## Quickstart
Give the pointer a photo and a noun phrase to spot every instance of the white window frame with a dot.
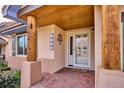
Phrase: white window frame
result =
(23, 55)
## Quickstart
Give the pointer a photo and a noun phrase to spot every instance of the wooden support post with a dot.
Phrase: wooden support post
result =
(110, 37)
(32, 38)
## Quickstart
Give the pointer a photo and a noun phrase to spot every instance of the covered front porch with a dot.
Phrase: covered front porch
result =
(68, 25)
(76, 17)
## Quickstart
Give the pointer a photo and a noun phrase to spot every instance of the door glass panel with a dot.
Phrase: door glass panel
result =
(81, 46)
(71, 45)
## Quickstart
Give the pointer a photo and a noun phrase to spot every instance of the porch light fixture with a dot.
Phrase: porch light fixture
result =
(31, 26)
(92, 30)
(59, 39)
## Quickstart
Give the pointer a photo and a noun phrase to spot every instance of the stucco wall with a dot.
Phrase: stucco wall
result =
(98, 36)
(15, 62)
(8, 49)
(47, 65)
(59, 50)
(30, 74)
(51, 61)
(92, 45)
(98, 39)
(44, 43)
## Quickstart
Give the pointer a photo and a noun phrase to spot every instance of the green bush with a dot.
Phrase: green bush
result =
(3, 64)
(9, 78)
(10, 81)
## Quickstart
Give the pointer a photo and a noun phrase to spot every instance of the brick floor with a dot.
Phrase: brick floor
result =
(67, 78)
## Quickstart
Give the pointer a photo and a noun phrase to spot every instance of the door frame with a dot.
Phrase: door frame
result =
(89, 50)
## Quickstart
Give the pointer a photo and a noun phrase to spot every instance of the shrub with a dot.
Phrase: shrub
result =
(9, 78)
(3, 64)
(6, 69)
(10, 81)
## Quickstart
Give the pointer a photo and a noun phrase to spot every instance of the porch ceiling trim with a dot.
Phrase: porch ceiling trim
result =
(28, 9)
(10, 12)
(18, 29)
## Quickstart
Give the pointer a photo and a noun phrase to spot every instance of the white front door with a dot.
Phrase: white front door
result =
(79, 49)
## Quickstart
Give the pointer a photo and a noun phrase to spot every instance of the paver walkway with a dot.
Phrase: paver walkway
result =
(67, 78)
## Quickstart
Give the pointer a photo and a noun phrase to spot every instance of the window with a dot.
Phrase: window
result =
(19, 44)
(22, 45)
(14, 45)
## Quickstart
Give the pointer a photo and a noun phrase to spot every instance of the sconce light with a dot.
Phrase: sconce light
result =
(30, 26)
(59, 39)
(92, 30)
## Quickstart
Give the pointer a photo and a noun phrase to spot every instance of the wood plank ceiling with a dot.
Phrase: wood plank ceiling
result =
(65, 16)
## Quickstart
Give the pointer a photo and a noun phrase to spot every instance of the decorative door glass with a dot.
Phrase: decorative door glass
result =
(81, 46)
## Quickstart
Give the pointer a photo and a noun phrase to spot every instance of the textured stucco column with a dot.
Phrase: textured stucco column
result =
(30, 73)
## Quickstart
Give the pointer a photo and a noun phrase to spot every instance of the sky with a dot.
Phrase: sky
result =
(2, 19)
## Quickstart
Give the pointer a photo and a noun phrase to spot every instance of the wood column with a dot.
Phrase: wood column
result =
(32, 38)
(110, 37)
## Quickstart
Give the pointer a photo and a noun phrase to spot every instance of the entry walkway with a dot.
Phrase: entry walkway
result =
(67, 78)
